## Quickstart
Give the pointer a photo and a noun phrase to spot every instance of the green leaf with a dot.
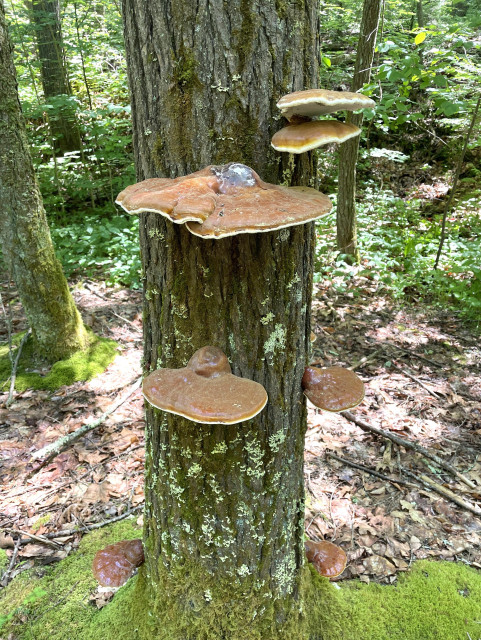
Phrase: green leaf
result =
(326, 61)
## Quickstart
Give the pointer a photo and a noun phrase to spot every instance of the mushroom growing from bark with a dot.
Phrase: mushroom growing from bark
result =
(221, 201)
(328, 559)
(333, 388)
(205, 390)
(113, 565)
(316, 102)
(299, 138)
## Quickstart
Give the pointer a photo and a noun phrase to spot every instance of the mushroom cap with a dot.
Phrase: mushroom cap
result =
(298, 138)
(221, 201)
(315, 102)
(333, 388)
(205, 390)
(328, 559)
(115, 564)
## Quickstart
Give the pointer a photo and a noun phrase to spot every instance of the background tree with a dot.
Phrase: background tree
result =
(55, 82)
(26, 244)
(224, 504)
(346, 205)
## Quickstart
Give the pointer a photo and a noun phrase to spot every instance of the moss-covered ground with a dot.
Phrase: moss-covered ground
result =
(433, 601)
(35, 374)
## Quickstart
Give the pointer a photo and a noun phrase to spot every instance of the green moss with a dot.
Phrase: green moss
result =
(3, 560)
(83, 365)
(433, 601)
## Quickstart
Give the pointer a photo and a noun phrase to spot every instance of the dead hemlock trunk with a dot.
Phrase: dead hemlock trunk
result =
(224, 504)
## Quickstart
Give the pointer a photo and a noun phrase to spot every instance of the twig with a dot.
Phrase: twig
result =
(55, 448)
(377, 474)
(92, 527)
(39, 539)
(6, 576)
(419, 382)
(365, 359)
(386, 343)
(446, 493)
(15, 366)
(408, 444)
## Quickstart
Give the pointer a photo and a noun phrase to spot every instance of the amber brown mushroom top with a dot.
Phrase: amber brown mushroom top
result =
(205, 390)
(299, 138)
(333, 388)
(315, 102)
(328, 559)
(221, 201)
(113, 565)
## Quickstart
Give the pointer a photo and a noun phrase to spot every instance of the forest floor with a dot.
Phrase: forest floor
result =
(422, 371)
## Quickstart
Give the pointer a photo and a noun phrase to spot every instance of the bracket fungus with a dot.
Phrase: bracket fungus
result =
(333, 388)
(316, 102)
(205, 390)
(328, 559)
(298, 138)
(113, 565)
(227, 200)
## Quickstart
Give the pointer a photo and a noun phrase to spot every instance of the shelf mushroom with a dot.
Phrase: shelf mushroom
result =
(328, 559)
(113, 565)
(205, 390)
(227, 200)
(303, 134)
(333, 388)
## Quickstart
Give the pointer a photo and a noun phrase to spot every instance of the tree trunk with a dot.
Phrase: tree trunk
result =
(224, 504)
(26, 244)
(346, 207)
(56, 87)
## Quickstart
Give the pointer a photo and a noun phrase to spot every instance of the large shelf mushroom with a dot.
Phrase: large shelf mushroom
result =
(116, 563)
(227, 200)
(205, 390)
(327, 558)
(303, 134)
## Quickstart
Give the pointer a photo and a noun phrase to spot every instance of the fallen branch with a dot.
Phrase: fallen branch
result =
(134, 327)
(408, 444)
(419, 382)
(6, 576)
(55, 448)
(32, 536)
(446, 493)
(373, 472)
(387, 343)
(13, 375)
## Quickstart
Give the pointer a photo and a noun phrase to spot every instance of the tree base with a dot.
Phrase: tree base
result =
(36, 373)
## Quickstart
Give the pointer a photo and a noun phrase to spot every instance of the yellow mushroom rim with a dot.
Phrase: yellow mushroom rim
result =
(333, 388)
(221, 201)
(315, 102)
(327, 558)
(205, 390)
(299, 138)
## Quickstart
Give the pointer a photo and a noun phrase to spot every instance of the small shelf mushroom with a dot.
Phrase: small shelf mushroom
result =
(205, 390)
(227, 200)
(304, 134)
(333, 388)
(316, 102)
(113, 565)
(327, 558)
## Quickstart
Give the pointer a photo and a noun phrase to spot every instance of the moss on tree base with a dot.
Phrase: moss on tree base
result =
(34, 373)
(433, 600)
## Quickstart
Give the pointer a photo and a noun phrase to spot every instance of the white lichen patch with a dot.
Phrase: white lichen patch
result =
(255, 458)
(284, 574)
(194, 470)
(220, 447)
(295, 280)
(243, 570)
(155, 233)
(276, 439)
(276, 341)
(267, 318)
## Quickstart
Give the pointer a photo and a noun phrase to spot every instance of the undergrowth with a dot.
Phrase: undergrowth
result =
(398, 246)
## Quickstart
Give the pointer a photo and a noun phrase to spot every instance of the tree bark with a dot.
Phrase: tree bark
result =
(26, 244)
(346, 206)
(224, 504)
(56, 87)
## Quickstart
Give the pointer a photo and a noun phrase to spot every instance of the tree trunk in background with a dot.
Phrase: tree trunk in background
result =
(224, 504)
(26, 244)
(346, 206)
(56, 87)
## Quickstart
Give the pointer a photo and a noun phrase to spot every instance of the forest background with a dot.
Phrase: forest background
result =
(425, 82)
